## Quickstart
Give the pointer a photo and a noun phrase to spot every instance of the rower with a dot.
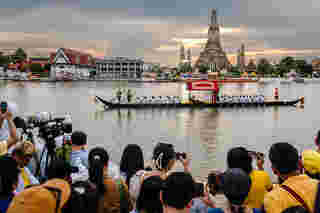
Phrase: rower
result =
(119, 95)
(129, 95)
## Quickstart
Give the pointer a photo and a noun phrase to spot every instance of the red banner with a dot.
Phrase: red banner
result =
(203, 85)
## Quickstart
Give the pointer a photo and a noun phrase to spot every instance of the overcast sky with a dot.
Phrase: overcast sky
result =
(153, 29)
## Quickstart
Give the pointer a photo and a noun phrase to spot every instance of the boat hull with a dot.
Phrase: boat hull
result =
(110, 105)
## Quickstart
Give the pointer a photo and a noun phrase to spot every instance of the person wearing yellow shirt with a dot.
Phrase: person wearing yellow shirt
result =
(311, 163)
(23, 153)
(296, 189)
(239, 157)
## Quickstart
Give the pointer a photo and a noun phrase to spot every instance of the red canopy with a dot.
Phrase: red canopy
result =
(202, 85)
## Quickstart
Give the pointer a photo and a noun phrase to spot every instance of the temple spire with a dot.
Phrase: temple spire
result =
(214, 20)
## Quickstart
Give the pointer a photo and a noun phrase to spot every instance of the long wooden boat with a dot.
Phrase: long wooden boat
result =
(110, 105)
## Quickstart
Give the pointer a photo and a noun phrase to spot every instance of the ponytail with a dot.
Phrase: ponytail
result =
(96, 175)
(98, 159)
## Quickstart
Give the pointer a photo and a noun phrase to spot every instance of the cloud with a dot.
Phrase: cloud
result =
(153, 30)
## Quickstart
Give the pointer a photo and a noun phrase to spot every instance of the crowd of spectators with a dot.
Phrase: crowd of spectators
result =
(88, 181)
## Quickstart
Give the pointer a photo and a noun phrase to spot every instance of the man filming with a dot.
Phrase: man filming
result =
(8, 131)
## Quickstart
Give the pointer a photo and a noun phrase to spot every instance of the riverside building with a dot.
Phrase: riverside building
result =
(67, 64)
(119, 67)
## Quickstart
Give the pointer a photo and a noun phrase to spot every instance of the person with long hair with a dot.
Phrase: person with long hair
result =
(131, 162)
(149, 198)
(164, 158)
(112, 195)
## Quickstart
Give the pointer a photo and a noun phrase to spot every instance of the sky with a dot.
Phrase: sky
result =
(153, 30)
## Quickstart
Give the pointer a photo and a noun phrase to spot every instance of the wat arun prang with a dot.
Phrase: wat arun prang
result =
(213, 54)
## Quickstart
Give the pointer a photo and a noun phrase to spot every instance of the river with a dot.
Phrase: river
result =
(207, 134)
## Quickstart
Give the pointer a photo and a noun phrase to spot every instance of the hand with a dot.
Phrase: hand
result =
(260, 163)
(206, 200)
(8, 116)
(186, 163)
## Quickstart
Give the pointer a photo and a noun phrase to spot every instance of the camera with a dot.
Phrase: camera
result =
(215, 182)
(256, 155)
(180, 155)
(198, 190)
(3, 107)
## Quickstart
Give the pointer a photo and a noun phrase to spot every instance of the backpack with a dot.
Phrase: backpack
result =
(85, 193)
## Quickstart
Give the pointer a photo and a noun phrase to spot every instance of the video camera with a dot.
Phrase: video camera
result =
(48, 127)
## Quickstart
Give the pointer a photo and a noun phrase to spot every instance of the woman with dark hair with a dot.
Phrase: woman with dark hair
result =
(8, 181)
(149, 197)
(164, 158)
(112, 195)
(131, 162)
(241, 158)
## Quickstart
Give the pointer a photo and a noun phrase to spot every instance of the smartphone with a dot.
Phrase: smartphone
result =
(198, 190)
(3, 107)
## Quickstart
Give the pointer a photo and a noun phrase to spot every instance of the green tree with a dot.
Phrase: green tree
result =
(4, 60)
(20, 55)
(47, 67)
(303, 68)
(203, 68)
(264, 67)
(36, 68)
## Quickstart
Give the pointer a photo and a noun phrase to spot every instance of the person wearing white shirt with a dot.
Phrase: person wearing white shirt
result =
(8, 132)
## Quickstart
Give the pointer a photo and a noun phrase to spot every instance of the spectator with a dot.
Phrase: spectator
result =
(49, 197)
(8, 181)
(164, 158)
(213, 195)
(239, 157)
(23, 153)
(8, 131)
(149, 197)
(61, 170)
(285, 164)
(113, 195)
(79, 150)
(236, 185)
(311, 163)
(131, 162)
(177, 193)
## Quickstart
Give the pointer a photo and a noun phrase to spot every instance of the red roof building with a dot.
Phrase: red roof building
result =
(69, 64)
(71, 57)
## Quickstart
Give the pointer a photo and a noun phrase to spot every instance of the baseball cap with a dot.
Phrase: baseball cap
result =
(42, 198)
(236, 185)
(311, 161)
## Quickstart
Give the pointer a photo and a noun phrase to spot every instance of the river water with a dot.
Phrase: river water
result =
(207, 134)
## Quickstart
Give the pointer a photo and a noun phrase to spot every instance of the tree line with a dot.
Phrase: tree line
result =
(20, 56)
